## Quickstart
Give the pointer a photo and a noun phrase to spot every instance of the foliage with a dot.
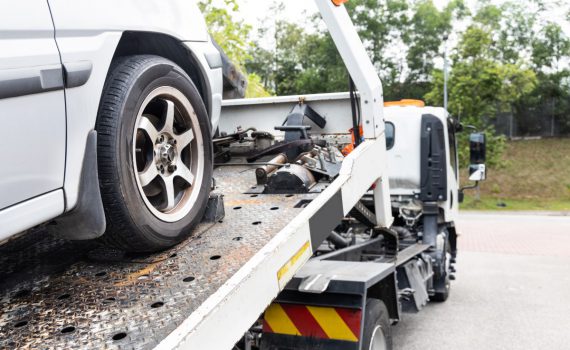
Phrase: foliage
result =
(300, 63)
(506, 57)
(233, 37)
(487, 76)
(382, 25)
(543, 185)
(550, 47)
(427, 31)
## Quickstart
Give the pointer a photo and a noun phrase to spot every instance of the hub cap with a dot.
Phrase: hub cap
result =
(168, 157)
(378, 339)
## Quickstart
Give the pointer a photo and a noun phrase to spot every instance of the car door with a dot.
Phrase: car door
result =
(32, 104)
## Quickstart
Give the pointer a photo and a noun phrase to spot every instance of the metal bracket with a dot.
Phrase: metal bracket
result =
(293, 124)
(215, 208)
(417, 283)
(315, 284)
(364, 215)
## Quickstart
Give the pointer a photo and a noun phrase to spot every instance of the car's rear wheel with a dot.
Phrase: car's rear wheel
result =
(154, 154)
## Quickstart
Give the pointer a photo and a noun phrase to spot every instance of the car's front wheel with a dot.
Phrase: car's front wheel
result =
(154, 154)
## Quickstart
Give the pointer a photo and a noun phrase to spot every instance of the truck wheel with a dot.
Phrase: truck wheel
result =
(377, 330)
(442, 283)
(154, 154)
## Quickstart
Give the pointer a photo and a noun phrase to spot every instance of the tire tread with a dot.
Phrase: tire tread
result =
(122, 232)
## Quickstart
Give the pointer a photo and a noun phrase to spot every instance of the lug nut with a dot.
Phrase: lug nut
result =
(172, 168)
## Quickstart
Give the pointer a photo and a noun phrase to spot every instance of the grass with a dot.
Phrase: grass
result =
(514, 204)
(535, 175)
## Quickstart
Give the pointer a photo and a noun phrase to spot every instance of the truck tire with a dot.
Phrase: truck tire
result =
(442, 283)
(377, 333)
(155, 157)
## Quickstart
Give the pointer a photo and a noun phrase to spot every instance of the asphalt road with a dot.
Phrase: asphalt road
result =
(512, 289)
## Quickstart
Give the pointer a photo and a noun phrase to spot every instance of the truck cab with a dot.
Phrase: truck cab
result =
(425, 192)
(409, 154)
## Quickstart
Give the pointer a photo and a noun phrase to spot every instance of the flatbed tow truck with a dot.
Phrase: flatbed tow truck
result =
(297, 254)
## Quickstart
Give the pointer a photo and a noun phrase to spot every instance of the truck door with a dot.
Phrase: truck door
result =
(453, 174)
(32, 110)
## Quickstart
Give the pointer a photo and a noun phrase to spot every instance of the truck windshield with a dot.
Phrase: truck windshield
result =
(390, 135)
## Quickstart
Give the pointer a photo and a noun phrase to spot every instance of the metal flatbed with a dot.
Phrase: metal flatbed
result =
(108, 300)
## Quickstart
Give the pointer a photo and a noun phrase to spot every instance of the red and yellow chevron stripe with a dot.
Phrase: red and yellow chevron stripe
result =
(313, 321)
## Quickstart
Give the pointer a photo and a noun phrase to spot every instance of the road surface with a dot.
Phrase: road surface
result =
(512, 289)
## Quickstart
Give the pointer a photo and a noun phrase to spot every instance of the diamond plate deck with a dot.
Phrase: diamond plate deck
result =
(59, 295)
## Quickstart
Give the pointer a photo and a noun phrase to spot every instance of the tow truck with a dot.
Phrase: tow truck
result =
(302, 246)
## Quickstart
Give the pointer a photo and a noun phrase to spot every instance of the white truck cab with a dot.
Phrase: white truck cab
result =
(404, 124)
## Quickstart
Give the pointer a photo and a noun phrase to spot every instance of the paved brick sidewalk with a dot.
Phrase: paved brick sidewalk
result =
(511, 292)
(518, 234)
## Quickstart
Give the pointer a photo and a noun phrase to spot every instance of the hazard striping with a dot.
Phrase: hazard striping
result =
(313, 321)
(332, 323)
(279, 322)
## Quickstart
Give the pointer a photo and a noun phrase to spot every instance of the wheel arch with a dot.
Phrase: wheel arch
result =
(129, 43)
(166, 46)
(386, 290)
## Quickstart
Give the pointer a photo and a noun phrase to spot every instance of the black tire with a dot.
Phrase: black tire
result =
(442, 283)
(131, 224)
(376, 319)
(441, 297)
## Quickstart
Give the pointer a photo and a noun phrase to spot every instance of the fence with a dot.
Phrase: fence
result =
(550, 119)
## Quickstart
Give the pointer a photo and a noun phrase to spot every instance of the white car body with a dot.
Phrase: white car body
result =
(54, 59)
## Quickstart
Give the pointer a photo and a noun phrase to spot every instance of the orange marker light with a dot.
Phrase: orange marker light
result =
(405, 103)
(339, 2)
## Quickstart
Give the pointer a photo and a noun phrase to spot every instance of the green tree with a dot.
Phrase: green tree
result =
(301, 63)
(552, 95)
(511, 25)
(426, 33)
(233, 37)
(309, 62)
(550, 47)
(382, 25)
(481, 85)
(511, 58)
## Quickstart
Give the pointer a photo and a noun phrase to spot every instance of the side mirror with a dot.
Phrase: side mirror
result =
(477, 172)
(478, 150)
(477, 169)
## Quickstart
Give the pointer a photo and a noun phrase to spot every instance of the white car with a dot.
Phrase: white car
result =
(107, 110)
